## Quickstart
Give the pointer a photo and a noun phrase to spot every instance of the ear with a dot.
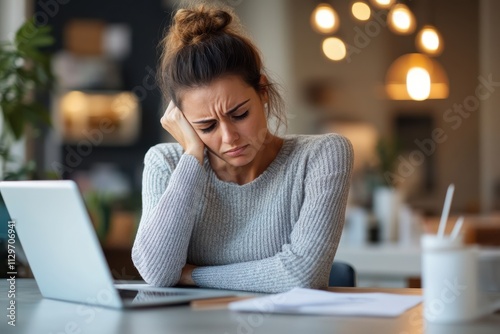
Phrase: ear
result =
(263, 83)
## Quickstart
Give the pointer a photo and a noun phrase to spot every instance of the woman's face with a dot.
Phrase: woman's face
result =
(228, 114)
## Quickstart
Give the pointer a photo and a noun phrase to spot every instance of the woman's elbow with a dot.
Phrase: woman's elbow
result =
(157, 279)
(153, 276)
(312, 283)
(310, 280)
(160, 282)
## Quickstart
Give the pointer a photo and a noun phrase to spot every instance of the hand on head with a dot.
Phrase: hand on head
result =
(177, 125)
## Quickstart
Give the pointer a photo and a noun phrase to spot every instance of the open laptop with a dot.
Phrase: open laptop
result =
(65, 255)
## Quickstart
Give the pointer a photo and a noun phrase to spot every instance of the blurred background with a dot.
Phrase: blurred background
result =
(413, 84)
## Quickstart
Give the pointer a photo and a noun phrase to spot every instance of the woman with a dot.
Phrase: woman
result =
(232, 205)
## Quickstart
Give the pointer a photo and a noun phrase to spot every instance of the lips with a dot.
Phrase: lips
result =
(236, 150)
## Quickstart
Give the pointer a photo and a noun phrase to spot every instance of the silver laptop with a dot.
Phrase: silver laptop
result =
(64, 253)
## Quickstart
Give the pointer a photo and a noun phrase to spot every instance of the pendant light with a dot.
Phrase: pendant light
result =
(334, 48)
(361, 11)
(429, 41)
(324, 19)
(382, 4)
(417, 77)
(401, 20)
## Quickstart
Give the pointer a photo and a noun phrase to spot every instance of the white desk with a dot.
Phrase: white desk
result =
(38, 315)
(382, 265)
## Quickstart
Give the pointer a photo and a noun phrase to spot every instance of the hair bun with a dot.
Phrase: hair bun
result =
(193, 25)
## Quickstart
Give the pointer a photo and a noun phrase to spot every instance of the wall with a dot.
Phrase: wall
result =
(490, 115)
(458, 157)
(267, 23)
(12, 15)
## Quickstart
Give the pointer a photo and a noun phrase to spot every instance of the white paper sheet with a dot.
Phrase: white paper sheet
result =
(308, 301)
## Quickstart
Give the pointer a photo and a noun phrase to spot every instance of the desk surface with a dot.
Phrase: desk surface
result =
(37, 315)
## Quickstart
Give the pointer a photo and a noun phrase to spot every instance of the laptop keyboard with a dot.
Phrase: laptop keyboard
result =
(148, 295)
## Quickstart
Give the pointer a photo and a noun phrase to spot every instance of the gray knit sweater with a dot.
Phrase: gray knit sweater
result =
(277, 232)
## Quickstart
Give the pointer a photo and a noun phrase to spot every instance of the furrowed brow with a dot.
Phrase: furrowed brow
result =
(229, 112)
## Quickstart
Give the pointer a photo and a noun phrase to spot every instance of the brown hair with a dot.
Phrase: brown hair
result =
(206, 42)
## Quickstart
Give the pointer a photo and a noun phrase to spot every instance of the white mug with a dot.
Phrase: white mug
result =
(450, 281)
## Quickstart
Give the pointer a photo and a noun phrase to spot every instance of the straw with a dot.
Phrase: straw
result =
(457, 227)
(446, 210)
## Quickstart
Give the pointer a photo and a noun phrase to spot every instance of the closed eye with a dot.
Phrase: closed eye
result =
(207, 130)
(242, 116)
(237, 117)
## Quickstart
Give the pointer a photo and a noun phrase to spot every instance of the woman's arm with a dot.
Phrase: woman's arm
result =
(305, 261)
(170, 196)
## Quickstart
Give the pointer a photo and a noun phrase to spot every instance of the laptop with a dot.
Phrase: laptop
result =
(61, 245)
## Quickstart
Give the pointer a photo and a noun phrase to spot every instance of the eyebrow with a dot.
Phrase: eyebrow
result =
(204, 121)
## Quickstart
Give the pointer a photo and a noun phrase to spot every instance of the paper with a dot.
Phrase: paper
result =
(308, 301)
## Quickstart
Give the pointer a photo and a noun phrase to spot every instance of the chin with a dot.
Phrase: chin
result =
(239, 161)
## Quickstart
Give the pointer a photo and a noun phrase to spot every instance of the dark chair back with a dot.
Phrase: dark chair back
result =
(342, 274)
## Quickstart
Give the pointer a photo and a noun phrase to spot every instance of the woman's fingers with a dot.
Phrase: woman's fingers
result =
(174, 121)
(170, 108)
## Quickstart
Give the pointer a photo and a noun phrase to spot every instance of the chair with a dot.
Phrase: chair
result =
(342, 274)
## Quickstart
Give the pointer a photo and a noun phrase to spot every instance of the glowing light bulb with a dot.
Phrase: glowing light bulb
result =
(418, 83)
(324, 19)
(361, 11)
(382, 3)
(429, 41)
(334, 48)
(401, 20)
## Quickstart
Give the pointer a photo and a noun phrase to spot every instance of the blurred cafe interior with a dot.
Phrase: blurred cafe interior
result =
(414, 85)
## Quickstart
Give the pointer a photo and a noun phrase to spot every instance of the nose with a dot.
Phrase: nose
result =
(229, 133)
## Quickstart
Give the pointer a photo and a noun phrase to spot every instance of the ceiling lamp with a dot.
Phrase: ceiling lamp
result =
(334, 48)
(429, 41)
(418, 83)
(361, 11)
(383, 4)
(324, 19)
(416, 77)
(401, 20)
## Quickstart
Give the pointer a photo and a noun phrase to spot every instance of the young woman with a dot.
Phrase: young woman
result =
(232, 205)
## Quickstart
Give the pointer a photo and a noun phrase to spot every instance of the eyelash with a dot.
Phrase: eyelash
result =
(238, 118)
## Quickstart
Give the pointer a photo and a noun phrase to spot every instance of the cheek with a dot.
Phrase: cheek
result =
(259, 128)
(210, 140)
(250, 130)
(213, 141)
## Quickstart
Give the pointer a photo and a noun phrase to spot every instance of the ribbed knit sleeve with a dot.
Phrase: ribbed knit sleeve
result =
(306, 260)
(170, 194)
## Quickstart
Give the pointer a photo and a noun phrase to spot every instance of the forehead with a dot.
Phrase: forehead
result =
(218, 96)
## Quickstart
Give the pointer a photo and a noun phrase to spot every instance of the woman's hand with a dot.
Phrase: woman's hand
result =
(177, 125)
(186, 278)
